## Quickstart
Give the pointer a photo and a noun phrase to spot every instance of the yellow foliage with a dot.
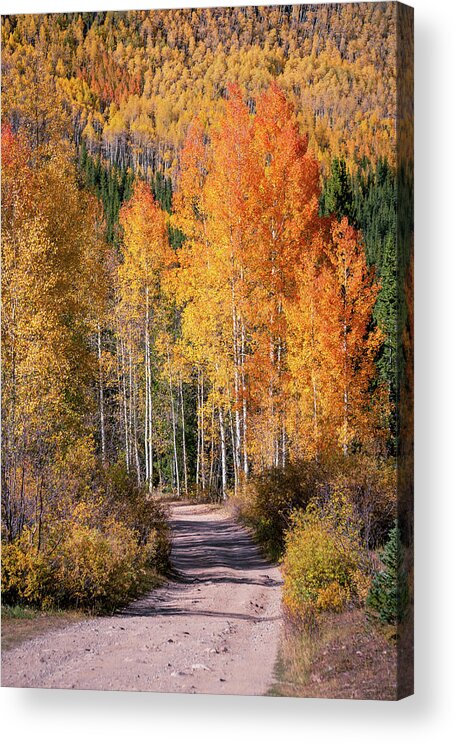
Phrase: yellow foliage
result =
(323, 560)
(332, 598)
(81, 565)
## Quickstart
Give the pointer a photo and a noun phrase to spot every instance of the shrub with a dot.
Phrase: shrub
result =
(387, 598)
(27, 576)
(322, 558)
(99, 570)
(332, 598)
(101, 555)
(267, 501)
(371, 487)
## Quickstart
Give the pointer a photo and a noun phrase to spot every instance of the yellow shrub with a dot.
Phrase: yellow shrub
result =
(322, 559)
(27, 576)
(99, 569)
(312, 562)
(332, 598)
(87, 567)
(362, 584)
(97, 553)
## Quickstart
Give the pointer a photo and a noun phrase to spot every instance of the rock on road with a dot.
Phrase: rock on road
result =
(212, 629)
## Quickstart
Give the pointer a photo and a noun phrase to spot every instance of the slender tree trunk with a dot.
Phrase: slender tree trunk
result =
(202, 433)
(135, 431)
(212, 446)
(198, 452)
(39, 511)
(272, 426)
(146, 421)
(125, 408)
(244, 409)
(101, 398)
(236, 440)
(223, 455)
(345, 365)
(283, 443)
(233, 452)
(174, 432)
(130, 398)
(185, 464)
(148, 432)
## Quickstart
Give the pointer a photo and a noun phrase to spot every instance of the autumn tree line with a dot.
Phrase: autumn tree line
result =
(249, 347)
(225, 327)
(132, 81)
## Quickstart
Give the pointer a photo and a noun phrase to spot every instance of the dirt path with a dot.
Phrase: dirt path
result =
(213, 629)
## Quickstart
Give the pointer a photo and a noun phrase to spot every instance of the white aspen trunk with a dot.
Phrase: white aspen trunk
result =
(283, 443)
(198, 453)
(146, 420)
(174, 432)
(150, 420)
(212, 446)
(203, 482)
(244, 408)
(148, 432)
(345, 350)
(236, 440)
(130, 399)
(135, 436)
(272, 426)
(314, 385)
(233, 452)
(101, 399)
(185, 465)
(125, 409)
(223, 455)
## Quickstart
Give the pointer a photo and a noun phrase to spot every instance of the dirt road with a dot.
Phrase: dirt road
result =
(212, 629)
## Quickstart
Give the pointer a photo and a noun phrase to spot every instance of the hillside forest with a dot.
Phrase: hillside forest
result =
(202, 295)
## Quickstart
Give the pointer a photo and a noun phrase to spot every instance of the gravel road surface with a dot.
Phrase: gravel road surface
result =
(214, 628)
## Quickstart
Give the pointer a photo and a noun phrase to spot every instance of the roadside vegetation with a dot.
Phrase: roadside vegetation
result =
(19, 624)
(332, 526)
(107, 549)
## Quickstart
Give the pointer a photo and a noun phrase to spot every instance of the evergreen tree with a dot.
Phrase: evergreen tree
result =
(374, 194)
(385, 314)
(388, 595)
(337, 197)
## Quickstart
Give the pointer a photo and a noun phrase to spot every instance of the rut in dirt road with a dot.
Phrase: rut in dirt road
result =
(213, 629)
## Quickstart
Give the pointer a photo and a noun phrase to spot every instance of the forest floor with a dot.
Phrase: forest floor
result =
(213, 628)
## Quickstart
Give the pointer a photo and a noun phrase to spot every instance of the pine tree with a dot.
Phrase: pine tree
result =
(385, 313)
(338, 197)
(388, 595)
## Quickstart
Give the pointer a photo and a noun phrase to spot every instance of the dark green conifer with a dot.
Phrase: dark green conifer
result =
(388, 595)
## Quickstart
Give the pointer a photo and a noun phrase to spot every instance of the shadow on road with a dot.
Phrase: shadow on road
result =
(206, 552)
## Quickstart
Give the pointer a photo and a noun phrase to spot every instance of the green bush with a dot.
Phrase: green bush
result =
(388, 594)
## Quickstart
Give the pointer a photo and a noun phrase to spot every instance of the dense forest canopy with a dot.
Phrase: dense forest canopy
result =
(130, 82)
